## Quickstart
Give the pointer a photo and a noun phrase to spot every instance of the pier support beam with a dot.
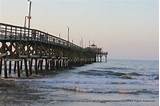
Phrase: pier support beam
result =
(18, 70)
(21, 65)
(46, 64)
(5, 69)
(30, 66)
(15, 66)
(26, 67)
(36, 68)
(41, 65)
(10, 67)
(0, 66)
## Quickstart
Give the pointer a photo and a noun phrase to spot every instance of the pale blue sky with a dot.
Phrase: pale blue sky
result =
(127, 29)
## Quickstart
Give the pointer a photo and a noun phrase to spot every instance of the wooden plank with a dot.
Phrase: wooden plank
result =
(34, 56)
(23, 56)
(13, 59)
(53, 57)
(3, 55)
(44, 57)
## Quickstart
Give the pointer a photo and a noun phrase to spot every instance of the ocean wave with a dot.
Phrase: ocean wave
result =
(156, 77)
(134, 74)
(100, 91)
(102, 101)
(110, 73)
(117, 83)
(118, 68)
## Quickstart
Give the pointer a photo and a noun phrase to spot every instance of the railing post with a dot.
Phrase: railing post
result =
(20, 33)
(10, 37)
(5, 32)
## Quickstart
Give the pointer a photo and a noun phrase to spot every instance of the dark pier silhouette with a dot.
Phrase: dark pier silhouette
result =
(30, 51)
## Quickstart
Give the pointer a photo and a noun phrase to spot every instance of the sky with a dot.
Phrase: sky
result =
(127, 29)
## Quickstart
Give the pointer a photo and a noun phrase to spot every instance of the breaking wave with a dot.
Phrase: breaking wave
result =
(110, 73)
(118, 68)
(100, 91)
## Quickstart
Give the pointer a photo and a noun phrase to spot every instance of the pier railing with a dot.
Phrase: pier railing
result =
(10, 32)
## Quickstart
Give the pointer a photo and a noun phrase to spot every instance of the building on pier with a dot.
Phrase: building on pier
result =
(99, 54)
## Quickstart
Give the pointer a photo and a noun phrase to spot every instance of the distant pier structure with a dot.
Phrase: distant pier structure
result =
(100, 55)
(25, 51)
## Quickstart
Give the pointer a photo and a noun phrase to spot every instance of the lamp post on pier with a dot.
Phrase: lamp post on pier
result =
(68, 35)
(29, 15)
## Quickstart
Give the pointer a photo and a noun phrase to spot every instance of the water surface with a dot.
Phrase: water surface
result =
(115, 83)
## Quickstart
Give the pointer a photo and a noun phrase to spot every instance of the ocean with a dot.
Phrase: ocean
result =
(115, 83)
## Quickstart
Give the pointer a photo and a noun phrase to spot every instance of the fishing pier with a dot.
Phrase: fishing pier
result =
(30, 51)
